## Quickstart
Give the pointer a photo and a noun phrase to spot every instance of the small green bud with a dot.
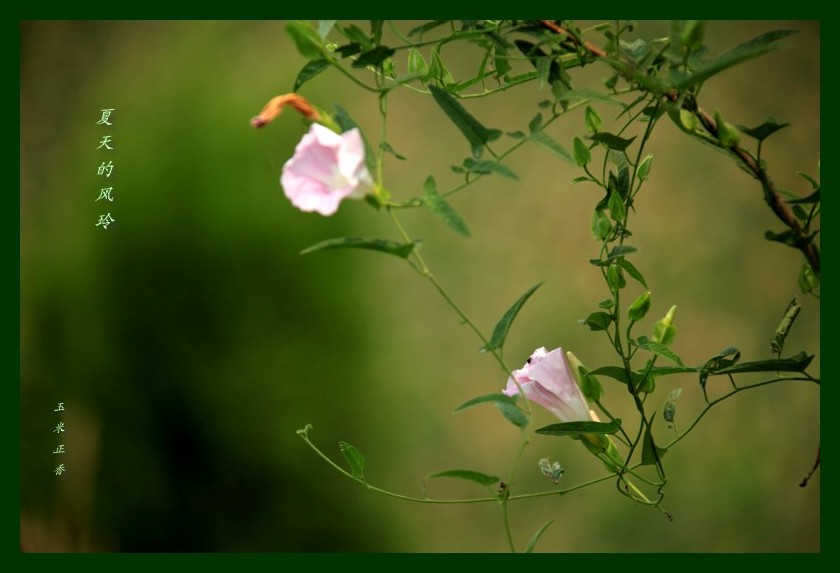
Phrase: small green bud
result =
(664, 331)
(588, 384)
(639, 308)
(615, 277)
(727, 135)
(644, 167)
(581, 152)
(592, 120)
(692, 33)
(601, 225)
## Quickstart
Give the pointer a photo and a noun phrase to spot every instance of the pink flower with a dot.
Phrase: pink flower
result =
(547, 379)
(326, 168)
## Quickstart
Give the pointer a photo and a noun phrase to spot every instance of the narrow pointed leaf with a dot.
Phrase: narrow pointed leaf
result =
(750, 49)
(354, 458)
(548, 142)
(402, 250)
(796, 363)
(632, 271)
(325, 26)
(426, 27)
(614, 372)
(573, 428)
(658, 348)
(513, 414)
(651, 453)
(503, 398)
(590, 94)
(598, 321)
(500, 332)
(612, 141)
(470, 475)
(536, 537)
(309, 71)
(373, 57)
(486, 166)
(770, 126)
(441, 207)
(308, 42)
(477, 135)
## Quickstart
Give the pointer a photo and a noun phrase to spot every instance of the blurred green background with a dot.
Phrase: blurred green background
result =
(189, 340)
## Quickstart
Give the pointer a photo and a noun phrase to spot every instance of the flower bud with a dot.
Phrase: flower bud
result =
(639, 308)
(615, 278)
(664, 332)
(588, 384)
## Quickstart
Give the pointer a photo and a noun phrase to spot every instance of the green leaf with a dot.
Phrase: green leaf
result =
(441, 207)
(616, 252)
(355, 458)
(426, 27)
(500, 332)
(374, 57)
(592, 120)
(574, 428)
(770, 126)
(325, 26)
(612, 141)
(590, 94)
(470, 475)
(808, 281)
(356, 35)
(620, 251)
(615, 278)
(727, 134)
(548, 142)
(618, 212)
(727, 357)
(659, 348)
(581, 152)
(796, 363)
(495, 398)
(388, 149)
(598, 321)
(402, 250)
(309, 71)
(614, 372)
(632, 271)
(644, 168)
(416, 63)
(810, 199)
(651, 453)
(348, 50)
(536, 537)
(376, 30)
(600, 225)
(438, 71)
(668, 370)
(750, 49)
(513, 414)
(477, 135)
(306, 39)
(485, 166)
(812, 181)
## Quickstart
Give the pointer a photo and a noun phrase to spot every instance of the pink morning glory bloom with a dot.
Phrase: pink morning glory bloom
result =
(326, 168)
(547, 379)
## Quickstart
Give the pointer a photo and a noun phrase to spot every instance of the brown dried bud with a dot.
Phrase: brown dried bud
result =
(276, 104)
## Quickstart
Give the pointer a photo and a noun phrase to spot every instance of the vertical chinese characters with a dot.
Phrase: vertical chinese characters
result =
(59, 429)
(105, 169)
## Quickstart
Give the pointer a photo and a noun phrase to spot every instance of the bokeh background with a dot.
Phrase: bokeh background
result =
(190, 340)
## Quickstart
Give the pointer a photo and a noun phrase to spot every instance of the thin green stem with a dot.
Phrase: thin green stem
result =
(729, 395)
